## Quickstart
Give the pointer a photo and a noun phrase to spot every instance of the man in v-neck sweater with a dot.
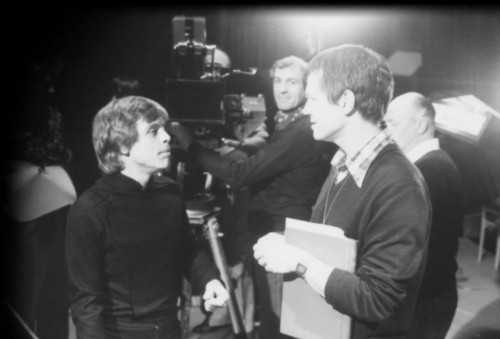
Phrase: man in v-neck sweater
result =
(410, 122)
(381, 200)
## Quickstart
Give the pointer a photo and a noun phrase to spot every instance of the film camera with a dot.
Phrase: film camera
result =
(199, 95)
(204, 98)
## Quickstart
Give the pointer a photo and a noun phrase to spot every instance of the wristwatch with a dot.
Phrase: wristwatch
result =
(301, 270)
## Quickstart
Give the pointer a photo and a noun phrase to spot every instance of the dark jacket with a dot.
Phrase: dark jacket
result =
(445, 188)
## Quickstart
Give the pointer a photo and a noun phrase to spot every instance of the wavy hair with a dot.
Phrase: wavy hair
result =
(115, 127)
(359, 69)
(290, 61)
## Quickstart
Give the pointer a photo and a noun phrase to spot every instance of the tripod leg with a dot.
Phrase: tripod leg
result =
(211, 232)
(185, 308)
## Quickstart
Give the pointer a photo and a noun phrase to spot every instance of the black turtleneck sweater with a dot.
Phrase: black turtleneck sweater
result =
(127, 250)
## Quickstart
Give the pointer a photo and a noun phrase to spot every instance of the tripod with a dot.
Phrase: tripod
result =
(211, 233)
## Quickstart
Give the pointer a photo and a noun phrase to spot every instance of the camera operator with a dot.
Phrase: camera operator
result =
(284, 176)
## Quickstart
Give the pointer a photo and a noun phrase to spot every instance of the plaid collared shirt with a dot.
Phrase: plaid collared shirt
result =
(361, 161)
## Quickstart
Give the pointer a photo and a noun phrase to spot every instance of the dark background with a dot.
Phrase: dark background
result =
(460, 47)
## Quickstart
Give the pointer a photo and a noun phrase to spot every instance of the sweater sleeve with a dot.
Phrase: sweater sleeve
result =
(280, 154)
(84, 272)
(391, 249)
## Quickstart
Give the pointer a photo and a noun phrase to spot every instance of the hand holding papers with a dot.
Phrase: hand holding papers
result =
(275, 255)
(305, 314)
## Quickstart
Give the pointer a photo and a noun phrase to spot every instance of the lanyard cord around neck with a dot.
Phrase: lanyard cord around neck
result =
(327, 211)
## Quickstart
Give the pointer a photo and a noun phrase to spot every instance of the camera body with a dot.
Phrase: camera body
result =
(198, 96)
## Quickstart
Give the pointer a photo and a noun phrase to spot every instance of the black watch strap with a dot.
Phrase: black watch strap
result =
(301, 270)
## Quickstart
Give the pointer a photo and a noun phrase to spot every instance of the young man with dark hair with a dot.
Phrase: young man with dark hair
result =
(128, 240)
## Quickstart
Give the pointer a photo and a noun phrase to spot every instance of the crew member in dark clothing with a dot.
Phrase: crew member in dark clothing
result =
(284, 176)
(39, 196)
(373, 193)
(410, 122)
(128, 240)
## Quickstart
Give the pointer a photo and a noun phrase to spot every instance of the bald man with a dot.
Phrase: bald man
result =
(410, 122)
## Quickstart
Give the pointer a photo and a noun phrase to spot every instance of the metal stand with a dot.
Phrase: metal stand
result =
(212, 234)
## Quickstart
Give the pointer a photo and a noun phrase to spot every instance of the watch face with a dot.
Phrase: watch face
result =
(301, 270)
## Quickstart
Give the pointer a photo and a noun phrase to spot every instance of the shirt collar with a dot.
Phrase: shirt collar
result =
(284, 119)
(422, 149)
(358, 165)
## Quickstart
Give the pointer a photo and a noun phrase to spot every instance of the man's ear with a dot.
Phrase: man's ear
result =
(347, 102)
(124, 151)
(422, 125)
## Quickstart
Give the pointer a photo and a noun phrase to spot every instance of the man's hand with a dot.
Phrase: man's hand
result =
(215, 295)
(275, 255)
(181, 133)
(231, 142)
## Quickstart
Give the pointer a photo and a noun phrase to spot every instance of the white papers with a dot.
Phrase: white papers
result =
(304, 313)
